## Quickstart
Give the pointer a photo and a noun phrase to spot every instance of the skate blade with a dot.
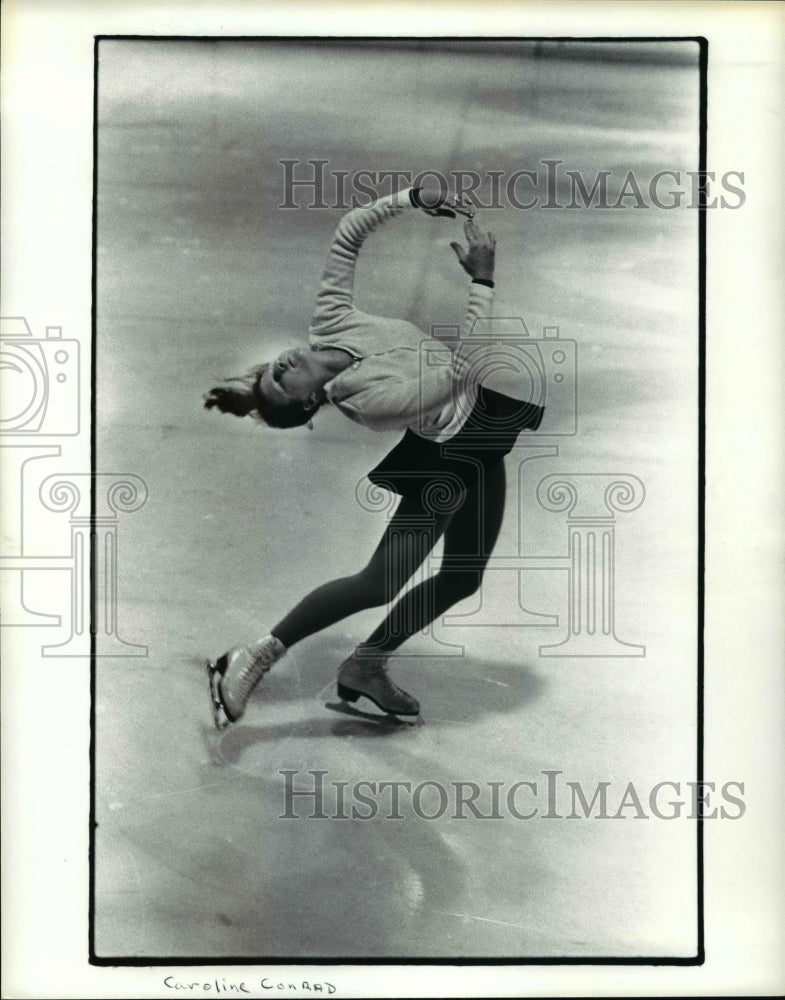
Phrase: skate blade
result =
(347, 694)
(383, 719)
(220, 719)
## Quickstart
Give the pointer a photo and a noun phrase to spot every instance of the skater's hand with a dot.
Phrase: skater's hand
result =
(433, 202)
(479, 257)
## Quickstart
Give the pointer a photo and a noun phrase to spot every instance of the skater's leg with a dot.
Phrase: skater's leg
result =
(468, 542)
(410, 535)
(402, 548)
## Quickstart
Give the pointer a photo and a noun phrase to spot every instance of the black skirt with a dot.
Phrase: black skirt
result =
(440, 474)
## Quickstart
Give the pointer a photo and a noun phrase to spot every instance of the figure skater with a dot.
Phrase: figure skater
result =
(456, 436)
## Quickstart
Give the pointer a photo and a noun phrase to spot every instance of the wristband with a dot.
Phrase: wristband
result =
(483, 281)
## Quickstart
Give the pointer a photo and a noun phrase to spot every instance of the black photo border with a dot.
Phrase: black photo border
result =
(278, 960)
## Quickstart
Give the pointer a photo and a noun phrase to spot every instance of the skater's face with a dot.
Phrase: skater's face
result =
(294, 376)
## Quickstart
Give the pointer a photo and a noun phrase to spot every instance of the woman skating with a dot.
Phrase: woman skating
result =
(456, 435)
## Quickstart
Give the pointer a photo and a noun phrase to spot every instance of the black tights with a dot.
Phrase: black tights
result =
(470, 534)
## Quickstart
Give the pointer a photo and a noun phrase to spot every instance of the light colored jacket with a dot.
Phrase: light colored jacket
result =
(391, 386)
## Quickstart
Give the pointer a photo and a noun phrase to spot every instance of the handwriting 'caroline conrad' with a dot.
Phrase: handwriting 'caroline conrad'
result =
(448, 468)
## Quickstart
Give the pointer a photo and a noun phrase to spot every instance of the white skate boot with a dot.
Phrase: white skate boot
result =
(234, 675)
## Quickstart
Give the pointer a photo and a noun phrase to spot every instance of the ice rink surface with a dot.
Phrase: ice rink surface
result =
(199, 275)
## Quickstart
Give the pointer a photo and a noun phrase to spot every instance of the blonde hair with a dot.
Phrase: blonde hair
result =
(243, 396)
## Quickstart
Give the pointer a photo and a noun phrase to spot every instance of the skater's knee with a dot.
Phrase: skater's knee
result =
(372, 589)
(456, 586)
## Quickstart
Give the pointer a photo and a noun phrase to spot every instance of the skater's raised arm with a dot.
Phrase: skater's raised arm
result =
(286, 391)
(396, 403)
(336, 290)
(478, 259)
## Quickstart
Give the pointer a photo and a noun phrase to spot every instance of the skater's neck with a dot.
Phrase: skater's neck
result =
(333, 361)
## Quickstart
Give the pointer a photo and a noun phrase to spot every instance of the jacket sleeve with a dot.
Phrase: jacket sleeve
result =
(336, 289)
(479, 306)
(470, 349)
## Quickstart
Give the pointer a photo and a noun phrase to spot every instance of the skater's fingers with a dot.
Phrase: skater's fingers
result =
(463, 206)
(460, 253)
(475, 234)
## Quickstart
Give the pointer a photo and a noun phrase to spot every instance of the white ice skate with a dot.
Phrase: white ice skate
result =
(234, 675)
